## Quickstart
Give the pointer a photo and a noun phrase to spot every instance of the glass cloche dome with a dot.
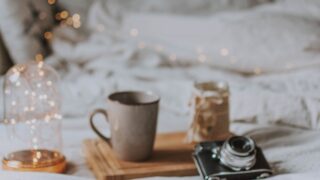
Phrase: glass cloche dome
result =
(32, 119)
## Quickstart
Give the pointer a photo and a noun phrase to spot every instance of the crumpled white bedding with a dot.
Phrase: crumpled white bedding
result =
(147, 61)
(281, 110)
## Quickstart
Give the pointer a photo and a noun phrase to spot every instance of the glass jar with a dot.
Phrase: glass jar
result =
(32, 119)
(209, 107)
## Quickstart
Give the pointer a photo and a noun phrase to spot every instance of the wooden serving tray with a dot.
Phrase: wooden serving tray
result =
(171, 157)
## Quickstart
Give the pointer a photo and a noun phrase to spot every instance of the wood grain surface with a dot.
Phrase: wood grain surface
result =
(171, 157)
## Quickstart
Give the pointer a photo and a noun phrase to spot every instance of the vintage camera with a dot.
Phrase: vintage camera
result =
(237, 158)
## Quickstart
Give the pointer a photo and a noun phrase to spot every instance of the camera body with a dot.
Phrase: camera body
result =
(209, 161)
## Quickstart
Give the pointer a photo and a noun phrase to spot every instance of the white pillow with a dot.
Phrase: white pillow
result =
(23, 24)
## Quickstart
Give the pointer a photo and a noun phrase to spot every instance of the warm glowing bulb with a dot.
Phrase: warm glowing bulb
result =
(69, 21)
(39, 58)
(64, 14)
(51, 2)
(38, 154)
(77, 24)
(76, 17)
(48, 35)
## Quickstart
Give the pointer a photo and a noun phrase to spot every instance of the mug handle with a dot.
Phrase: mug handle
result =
(98, 111)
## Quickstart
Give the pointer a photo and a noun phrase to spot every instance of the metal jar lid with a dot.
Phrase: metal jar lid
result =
(35, 161)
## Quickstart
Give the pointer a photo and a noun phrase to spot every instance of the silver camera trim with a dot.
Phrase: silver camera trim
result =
(235, 160)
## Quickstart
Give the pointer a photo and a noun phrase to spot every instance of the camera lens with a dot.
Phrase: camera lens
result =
(238, 153)
(241, 144)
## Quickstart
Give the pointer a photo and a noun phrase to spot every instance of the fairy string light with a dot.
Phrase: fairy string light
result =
(61, 17)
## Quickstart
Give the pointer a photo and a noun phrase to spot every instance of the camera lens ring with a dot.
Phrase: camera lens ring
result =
(238, 153)
(233, 143)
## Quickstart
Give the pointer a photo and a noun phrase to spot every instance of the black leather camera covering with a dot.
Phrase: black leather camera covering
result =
(211, 169)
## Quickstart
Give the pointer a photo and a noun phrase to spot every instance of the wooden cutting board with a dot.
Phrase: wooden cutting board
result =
(171, 157)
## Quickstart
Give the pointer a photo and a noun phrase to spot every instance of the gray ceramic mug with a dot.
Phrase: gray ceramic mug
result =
(132, 116)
